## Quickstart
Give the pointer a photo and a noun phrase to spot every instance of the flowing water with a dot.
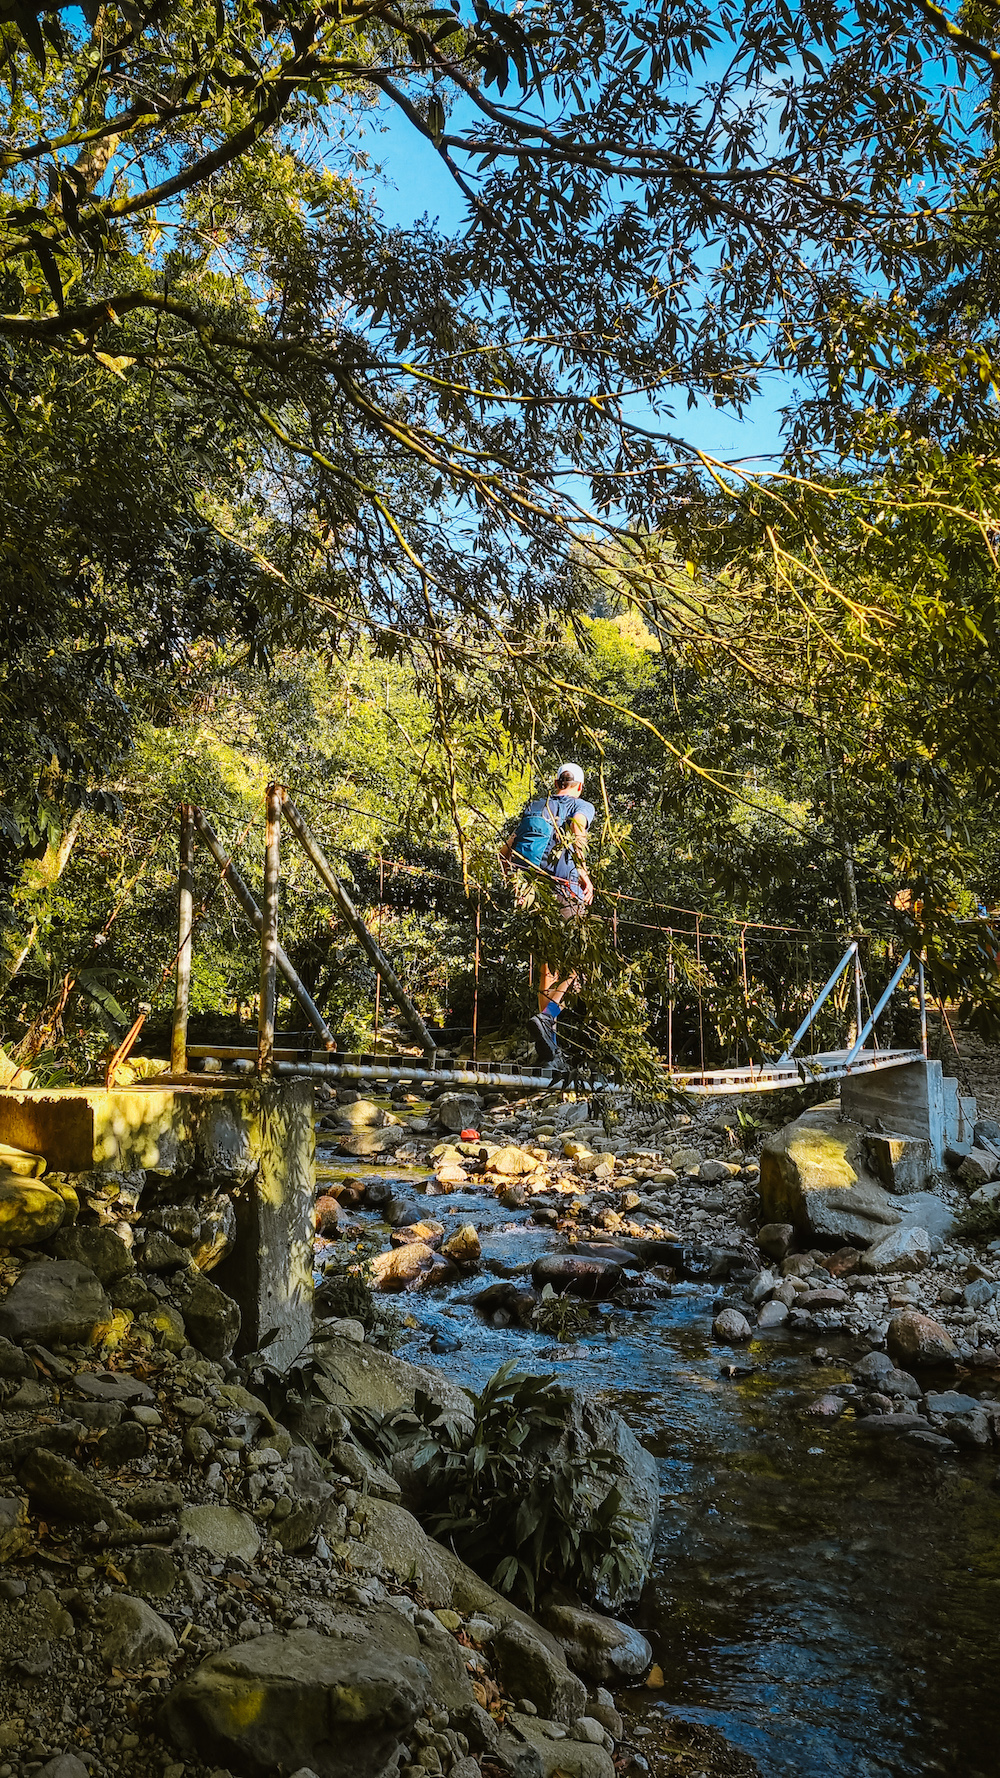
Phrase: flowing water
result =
(830, 1607)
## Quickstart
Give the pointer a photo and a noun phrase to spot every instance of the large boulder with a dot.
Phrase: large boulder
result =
(363, 1114)
(29, 1211)
(55, 1300)
(600, 1648)
(590, 1426)
(530, 1670)
(362, 1143)
(350, 1375)
(459, 1111)
(59, 1490)
(813, 1175)
(339, 1706)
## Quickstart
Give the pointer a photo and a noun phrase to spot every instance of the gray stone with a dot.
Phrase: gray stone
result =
(979, 1166)
(153, 1571)
(571, 1759)
(216, 1233)
(986, 1134)
(894, 1382)
(362, 1143)
(65, 1765)
(99, 1248)
(161, 1254)
(459, 1111)
(14, 1362)
(132, 1633)
(599, 1648)
(60, 1490)
(980, 1293)
(903, 1250)
(221, 1529)
(338, 1706)
(732, 1328)
(211, 1318)
(530, 1670)
(775, 1239)
(55, 1300)
(114, 1386)
(813, 1175)
(773, 1314)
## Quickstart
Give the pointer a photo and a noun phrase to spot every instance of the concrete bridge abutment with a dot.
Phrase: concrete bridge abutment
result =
(254, 1142)
(914, 1113)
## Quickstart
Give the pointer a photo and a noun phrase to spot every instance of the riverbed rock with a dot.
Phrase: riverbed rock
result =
(510, 1163)
(29, 1211)
(458, 1111)
(211, 1318)
(99, 1248)
(223, 1530)
(590, 1278)
(15, 1531)
(59, 1490)
(732, 1328)
(915, 1340)
(464, 1246)
(363, 1114)
(562, 1758)
(327, 1215)
(772, 1314)
(979, 1166)
(775, 1239)
(336, 1705)
(504, 1305)
(132, 1633)
(813, 1174)
(903, 1250)
(216, 1232)
(599, 1648)
(530, 1670)
(362, 1143)
(402, 1267)
(349, 1375)
(55, 1300)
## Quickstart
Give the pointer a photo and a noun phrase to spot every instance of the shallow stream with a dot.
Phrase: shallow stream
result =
(832, 1608)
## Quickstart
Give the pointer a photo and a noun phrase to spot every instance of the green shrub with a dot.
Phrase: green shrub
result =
(565, 1317)
(511, 1499)
(978, 1223)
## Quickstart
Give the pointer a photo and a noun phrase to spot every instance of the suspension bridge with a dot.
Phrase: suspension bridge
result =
(315, 1055)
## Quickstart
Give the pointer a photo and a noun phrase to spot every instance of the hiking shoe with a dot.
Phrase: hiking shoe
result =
(543, 1030)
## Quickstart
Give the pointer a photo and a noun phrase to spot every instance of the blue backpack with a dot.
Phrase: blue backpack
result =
(536, 833)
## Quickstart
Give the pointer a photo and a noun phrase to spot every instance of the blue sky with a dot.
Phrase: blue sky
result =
(416, 184)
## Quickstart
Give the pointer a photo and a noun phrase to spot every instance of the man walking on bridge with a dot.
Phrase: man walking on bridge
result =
(550, 840)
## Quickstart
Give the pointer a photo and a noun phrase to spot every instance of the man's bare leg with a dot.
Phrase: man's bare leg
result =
(551, 988)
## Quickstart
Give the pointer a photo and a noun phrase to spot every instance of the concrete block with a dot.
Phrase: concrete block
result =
(903, 1164)
(952, 1116)
(908, 1100)
(256, 1141)
(269, 1271)
(968, 1114)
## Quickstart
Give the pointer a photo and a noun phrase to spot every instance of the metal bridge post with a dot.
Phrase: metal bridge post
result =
(185, 925)
(879, 1010)
(814, 1009)
(269, 933)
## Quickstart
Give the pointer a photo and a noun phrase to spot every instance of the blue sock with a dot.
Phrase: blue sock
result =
(553, 1009)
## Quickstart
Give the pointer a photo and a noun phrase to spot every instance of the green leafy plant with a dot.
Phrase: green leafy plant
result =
(565, 1317)
(507, 1490)
(978, 1223)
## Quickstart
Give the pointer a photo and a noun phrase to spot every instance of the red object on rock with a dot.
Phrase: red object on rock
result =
(470, 1136)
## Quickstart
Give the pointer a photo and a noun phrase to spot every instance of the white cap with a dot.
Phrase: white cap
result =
(569, 770)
